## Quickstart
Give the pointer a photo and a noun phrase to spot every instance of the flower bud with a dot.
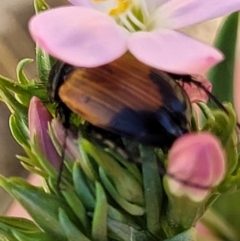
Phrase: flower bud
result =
(199, 161)
(195, 93)
(66, 139)
(38, 119)
(196, 165)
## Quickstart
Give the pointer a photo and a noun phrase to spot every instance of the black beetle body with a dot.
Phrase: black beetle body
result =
(124, 97)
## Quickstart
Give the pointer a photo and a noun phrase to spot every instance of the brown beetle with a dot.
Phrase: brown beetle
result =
(125, 97)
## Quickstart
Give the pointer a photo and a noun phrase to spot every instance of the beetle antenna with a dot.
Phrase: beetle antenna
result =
(190, 79)
(60, 171)
(213, 97)
(63, 113)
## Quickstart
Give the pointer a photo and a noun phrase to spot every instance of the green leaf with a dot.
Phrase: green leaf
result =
(7, 223)
(124, 232)
(152, 190)
(221, 75)
(19, 130)
(99, 223)
(70, 229)
(129, 187)
(131, 208)
(8, 98)
(76, 205)
(30, 236)
(83, 187)
(41, 206)
(189, 235)
(40, 5)
(21, 77)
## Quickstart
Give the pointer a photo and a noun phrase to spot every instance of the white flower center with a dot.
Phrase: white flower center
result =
(131, 14)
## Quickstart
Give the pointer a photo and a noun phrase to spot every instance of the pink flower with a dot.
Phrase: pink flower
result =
(66, 140)
(195, 93)
(38, 120)
(198, 159)
(85, 37)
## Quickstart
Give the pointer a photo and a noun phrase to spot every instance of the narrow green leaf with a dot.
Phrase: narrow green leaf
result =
(23, 224)
(124, 232)
(131, 167)
(99, 223)
(131, 208)
(30, 236)
(83, 187)
(189, 235)
(7, 236)
(70, 229)
(129, 187)
(76, 205)
(40, 5)
(41, 206)
(18, 130)
(221, 75)
(152, 190)
(21, 77)
(11, 102)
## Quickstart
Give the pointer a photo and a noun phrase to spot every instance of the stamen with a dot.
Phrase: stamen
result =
(126, 23)
(135, 20)
(144, 10)
(122, 6)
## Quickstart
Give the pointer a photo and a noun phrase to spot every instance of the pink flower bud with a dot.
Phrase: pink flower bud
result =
(38, 119)
(195, 93)
(198, 160)
(66, 140)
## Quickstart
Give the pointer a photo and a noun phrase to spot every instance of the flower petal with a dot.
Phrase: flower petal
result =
(151, 5)
(198, 159)
(195, 93)
(79, 36)
(172, 51)
(102, 6)
(182, 13)
(84, 3)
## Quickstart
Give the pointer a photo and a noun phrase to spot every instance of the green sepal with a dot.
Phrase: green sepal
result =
(99, 223)
(72, 232)
(224, 124)
(41, 206)
(182, 212)
(152, 190)
(221, 75)
(129, 187)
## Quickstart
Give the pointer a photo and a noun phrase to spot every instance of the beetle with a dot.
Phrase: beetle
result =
(125, 97)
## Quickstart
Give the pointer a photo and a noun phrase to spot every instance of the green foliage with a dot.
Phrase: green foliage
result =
(222, 75)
